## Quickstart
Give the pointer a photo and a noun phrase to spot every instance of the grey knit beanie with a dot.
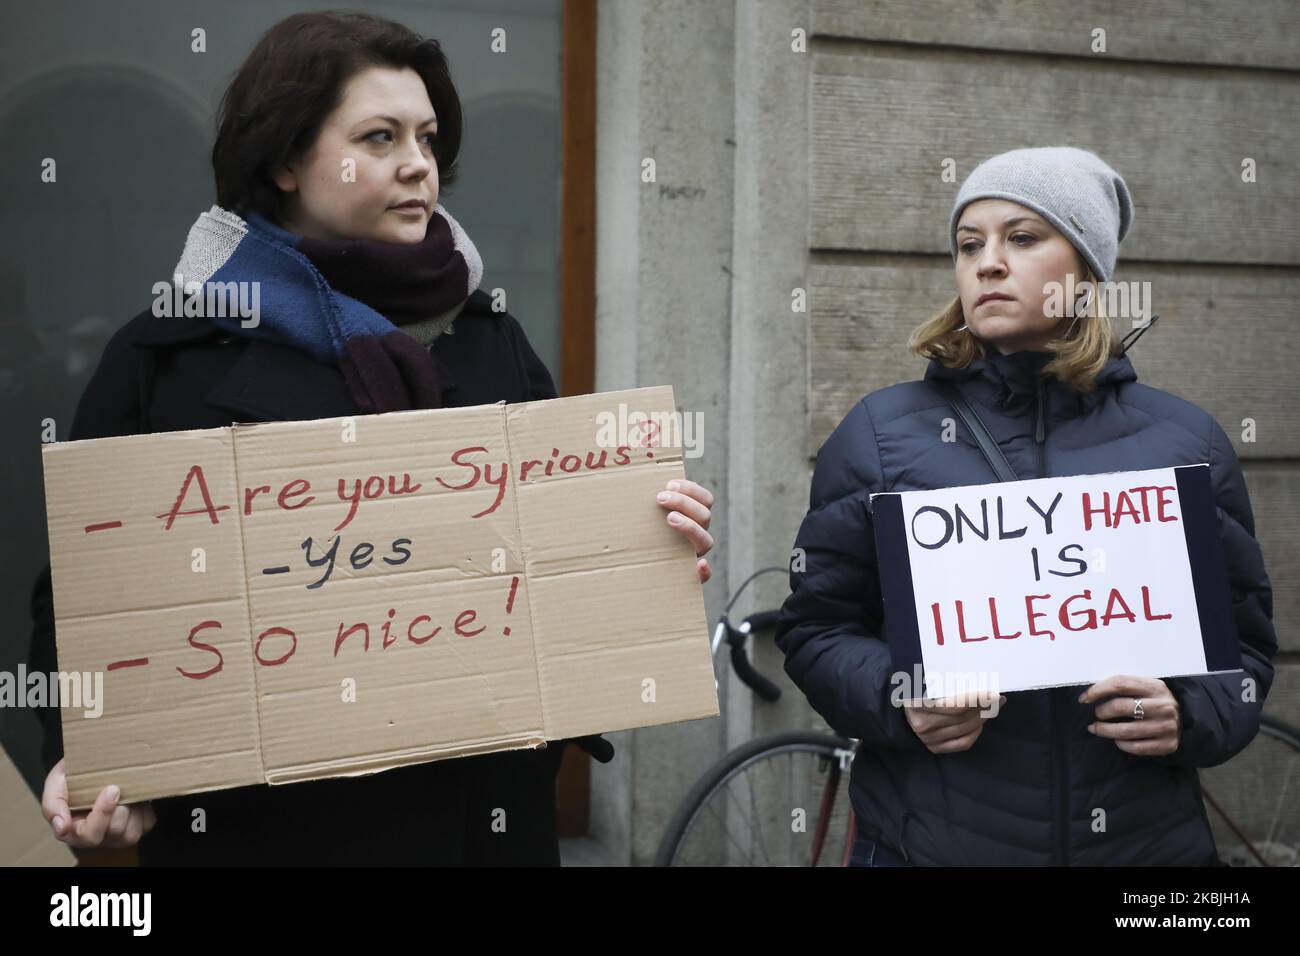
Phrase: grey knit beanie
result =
(1073, 189)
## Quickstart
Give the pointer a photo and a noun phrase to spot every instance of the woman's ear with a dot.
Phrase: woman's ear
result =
(285, 178)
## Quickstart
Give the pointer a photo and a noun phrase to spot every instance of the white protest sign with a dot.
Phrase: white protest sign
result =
(1055, 581)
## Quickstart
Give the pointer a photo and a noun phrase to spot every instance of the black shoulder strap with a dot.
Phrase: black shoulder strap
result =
(966, 412)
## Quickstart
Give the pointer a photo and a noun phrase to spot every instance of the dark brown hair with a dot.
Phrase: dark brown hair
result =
(293, 79)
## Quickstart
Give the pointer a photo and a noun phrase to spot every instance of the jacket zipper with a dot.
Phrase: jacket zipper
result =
(1056, 722)
(1062, 779)
(1040, 425)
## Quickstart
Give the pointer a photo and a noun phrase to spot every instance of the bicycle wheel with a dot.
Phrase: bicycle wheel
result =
(775, 801)
(1253, 800)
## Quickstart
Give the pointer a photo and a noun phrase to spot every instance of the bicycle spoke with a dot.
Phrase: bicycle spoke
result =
(757, 827)
(726, 830)
(758, 823)
(1254, 807)
(1281, 801)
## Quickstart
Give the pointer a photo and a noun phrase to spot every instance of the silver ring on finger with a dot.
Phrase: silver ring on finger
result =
(1138, 712)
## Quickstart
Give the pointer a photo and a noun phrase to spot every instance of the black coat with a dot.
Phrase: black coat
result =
(1026, 791)
(171, 374)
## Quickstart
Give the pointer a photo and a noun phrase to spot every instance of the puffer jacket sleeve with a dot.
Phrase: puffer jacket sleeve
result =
(830, 626)
(1220, 712)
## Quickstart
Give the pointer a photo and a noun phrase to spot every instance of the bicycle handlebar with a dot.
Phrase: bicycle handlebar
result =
(755, 681)
(759, 621)
(736, 637)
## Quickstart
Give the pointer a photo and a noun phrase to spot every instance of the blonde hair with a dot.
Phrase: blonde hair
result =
(1087, 345)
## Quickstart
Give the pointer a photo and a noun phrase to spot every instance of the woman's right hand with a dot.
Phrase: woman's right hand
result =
(106, 824)
(952, 725)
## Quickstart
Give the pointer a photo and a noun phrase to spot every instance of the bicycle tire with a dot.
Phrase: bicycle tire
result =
(1269, 726)
(728, 766)
(737, 759)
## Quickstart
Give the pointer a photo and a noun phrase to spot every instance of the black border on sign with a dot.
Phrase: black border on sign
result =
(901, 628)
(1209, 568)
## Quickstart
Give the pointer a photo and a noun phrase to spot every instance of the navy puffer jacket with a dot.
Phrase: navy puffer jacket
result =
(1026, 792)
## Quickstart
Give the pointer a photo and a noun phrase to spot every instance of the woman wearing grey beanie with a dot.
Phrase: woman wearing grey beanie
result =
(1022, 780)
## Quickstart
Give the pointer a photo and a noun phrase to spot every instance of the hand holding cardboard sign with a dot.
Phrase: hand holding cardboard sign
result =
(106, 824)
(952, 724)
(690, 503)
(1153, 734)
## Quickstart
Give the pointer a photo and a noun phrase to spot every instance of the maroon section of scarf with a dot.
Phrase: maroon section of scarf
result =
(404, 282)
(390, 373)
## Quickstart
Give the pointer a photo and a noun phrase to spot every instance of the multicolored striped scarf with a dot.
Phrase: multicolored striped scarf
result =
(343, 301)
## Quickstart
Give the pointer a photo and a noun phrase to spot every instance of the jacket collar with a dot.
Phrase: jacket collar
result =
(1006, 381)
(269, 381)
(172, 330)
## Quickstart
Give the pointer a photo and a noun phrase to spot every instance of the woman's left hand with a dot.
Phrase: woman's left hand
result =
(1155, 734)
(688, 505)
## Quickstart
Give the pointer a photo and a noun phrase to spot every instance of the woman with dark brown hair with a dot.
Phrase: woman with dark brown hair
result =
(334, 140)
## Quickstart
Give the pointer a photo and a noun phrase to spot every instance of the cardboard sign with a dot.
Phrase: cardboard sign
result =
(25, 837)
(1054, 581)
(293, 600)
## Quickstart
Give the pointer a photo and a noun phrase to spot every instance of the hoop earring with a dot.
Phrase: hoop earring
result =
(1083, 306)
(962, 329)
